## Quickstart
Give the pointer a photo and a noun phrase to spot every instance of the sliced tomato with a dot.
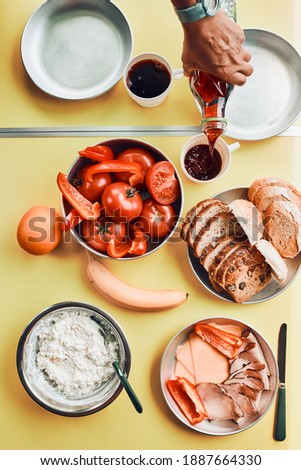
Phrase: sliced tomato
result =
(82, 205)
(98, 153)
(156, 219)
(162, 183)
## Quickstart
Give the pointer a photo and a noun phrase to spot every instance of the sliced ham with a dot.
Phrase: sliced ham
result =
(218, 404)
(246, 404)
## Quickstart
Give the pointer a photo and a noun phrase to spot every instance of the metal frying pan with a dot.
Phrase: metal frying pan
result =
(76, 49)
(270, 101)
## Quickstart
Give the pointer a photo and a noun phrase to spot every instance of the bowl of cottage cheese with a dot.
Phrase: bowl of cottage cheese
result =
(65, 355)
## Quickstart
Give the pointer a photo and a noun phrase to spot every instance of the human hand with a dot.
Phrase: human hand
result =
(214, 45)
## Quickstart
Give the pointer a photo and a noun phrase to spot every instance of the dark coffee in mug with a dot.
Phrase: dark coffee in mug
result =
(148, 78)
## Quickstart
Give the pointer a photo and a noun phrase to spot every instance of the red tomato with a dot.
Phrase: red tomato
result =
(98, 233)
(162, 183)
(92, 190)
(156, 219)
(121, 202)
(138, 155)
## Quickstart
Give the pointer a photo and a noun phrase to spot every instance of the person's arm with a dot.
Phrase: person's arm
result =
(214, 44)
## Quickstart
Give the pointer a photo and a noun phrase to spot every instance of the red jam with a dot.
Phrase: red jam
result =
(200, 165)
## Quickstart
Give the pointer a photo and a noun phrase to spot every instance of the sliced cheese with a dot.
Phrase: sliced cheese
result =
(198, 361)
(181, 371)
(209, 364)
(183, 355)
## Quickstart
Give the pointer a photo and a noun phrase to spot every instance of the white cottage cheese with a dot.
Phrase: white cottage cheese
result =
(71, 354)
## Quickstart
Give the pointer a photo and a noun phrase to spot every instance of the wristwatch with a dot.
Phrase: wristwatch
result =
(199, 10)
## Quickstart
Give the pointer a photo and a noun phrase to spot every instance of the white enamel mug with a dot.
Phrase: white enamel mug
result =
(156, 100)
(223, 149)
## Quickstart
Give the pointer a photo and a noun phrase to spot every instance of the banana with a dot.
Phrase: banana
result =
(128, 296)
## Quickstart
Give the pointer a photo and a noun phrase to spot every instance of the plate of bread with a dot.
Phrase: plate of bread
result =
(244, 244)
(226, 369)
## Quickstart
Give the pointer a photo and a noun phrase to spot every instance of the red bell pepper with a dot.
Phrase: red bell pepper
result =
(227, 343)
(99, 153)
(72, 219)
(139, 242)
(83, 206)
(187, 399)
(117, 166)
(117, 249)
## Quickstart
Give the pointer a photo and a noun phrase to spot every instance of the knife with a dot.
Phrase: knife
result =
(280, 423)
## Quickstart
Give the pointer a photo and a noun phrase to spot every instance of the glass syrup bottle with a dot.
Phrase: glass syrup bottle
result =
(211, 94)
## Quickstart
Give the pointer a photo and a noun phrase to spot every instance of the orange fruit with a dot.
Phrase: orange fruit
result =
(40, 230)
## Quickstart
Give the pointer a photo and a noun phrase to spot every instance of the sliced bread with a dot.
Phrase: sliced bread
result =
(268, 194)
(247, 276)
(192, 213)
(273, 258)
(222, 257)
(249, 218)
(211, 252)
(200, 221)
(283, 228)
(218, 226)
(269, 181)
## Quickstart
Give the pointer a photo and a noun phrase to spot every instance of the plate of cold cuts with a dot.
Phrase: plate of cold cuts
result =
(219, 376)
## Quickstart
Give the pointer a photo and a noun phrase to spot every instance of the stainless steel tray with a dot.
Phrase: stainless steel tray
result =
(273, 289)
(270, 101)
(76, 49)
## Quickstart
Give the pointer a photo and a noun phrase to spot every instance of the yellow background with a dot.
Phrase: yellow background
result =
(28, 284)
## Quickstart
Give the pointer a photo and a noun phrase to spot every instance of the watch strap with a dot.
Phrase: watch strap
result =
(195, 12)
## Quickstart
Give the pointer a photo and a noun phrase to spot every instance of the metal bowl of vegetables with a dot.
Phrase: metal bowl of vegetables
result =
(65, 355)
(122, 199)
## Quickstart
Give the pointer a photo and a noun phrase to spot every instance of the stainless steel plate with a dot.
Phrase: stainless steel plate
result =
(270, 101)
(76, 49)
(273, 289)
(226, 427)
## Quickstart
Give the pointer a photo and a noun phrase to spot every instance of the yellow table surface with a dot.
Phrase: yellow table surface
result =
(23, 104)
(29, 284)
